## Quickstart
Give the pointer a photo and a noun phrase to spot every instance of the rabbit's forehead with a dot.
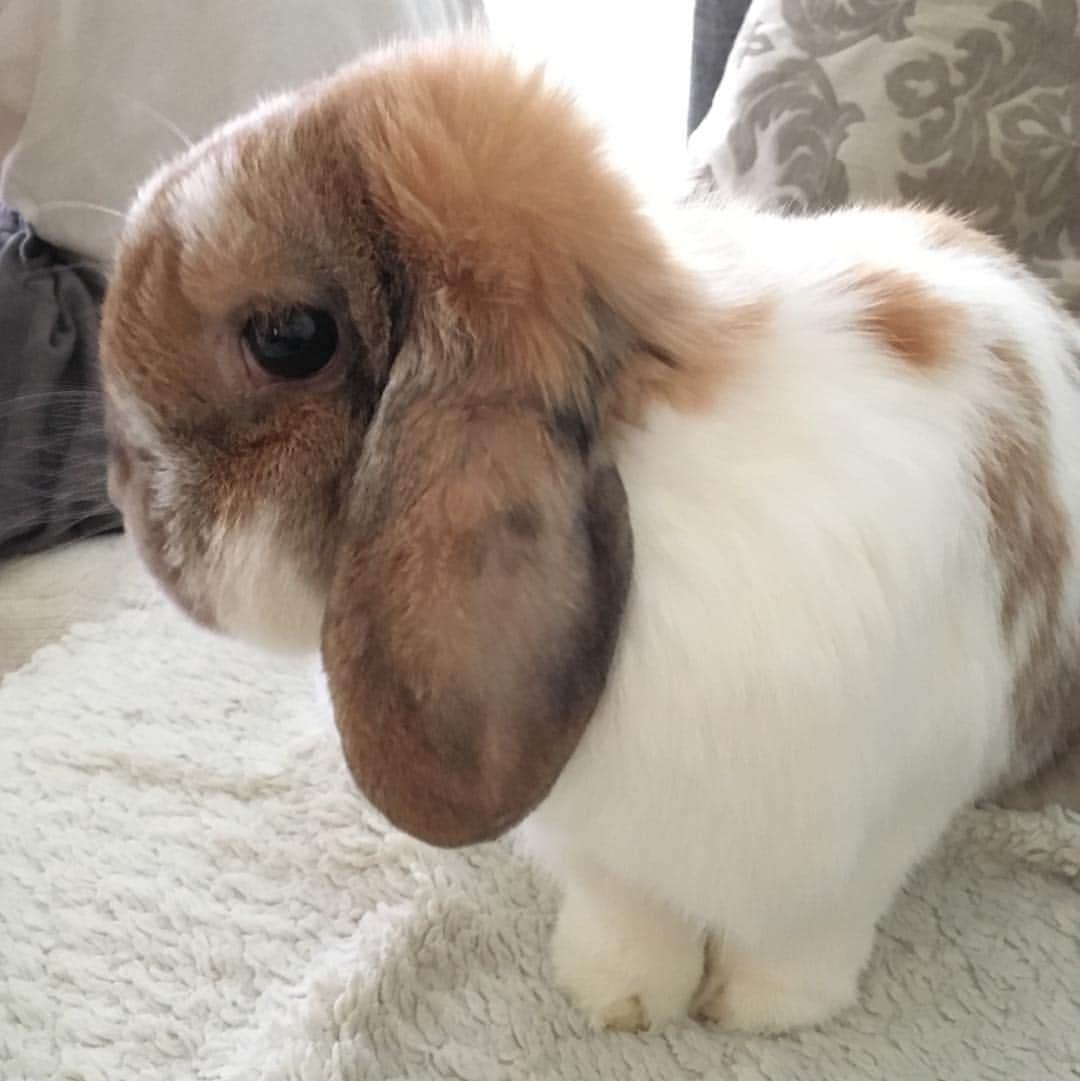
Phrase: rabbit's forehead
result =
(202, 197)
(195, 182)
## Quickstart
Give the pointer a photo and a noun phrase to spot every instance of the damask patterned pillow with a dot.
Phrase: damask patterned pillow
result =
(967, 104)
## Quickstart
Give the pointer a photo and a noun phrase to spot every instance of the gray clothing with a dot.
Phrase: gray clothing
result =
(52, 444)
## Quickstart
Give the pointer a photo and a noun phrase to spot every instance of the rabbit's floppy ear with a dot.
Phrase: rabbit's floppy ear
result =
(475, 607)
(482, 573)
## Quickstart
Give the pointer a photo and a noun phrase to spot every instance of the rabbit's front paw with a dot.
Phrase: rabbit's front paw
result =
(760, 1002)
(627, 964)
(811, 980)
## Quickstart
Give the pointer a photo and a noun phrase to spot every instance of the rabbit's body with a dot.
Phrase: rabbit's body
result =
(817, 670)
(731, 556)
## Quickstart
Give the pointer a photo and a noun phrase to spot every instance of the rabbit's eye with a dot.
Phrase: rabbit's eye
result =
(291, 344)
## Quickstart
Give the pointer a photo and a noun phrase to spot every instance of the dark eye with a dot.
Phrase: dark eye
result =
(291, 344)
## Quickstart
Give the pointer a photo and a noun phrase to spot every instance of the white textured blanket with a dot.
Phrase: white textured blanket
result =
(190, 888)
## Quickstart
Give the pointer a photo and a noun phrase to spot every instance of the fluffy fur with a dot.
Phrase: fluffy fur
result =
(848, 446)
(818, 632)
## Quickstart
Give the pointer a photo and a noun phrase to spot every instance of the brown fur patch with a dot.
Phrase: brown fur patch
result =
(147, 323)
(1030, 543)
(503, 206)
(907, 317)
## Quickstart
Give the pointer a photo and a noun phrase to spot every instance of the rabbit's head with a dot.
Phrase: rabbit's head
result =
(364, 352)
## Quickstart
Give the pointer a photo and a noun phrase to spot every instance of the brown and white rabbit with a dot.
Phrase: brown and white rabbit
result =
(729, 557)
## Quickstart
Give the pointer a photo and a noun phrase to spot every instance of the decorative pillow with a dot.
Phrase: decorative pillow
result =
(972, 105)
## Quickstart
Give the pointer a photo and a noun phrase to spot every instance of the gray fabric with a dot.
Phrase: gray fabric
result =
(973, 105)
(52, 446)
(716, 24)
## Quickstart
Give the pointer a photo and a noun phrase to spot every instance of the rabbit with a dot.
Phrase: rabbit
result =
(721, 557)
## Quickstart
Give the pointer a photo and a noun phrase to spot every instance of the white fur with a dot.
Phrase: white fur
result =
(258, 592)
(204, 177)
(812, 677)
(135, 417)
(201, 196)
(254, 587)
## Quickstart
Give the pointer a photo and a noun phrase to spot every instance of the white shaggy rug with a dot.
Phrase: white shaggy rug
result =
(191, 889)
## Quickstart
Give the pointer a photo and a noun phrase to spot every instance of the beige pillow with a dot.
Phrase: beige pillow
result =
(968, 104)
